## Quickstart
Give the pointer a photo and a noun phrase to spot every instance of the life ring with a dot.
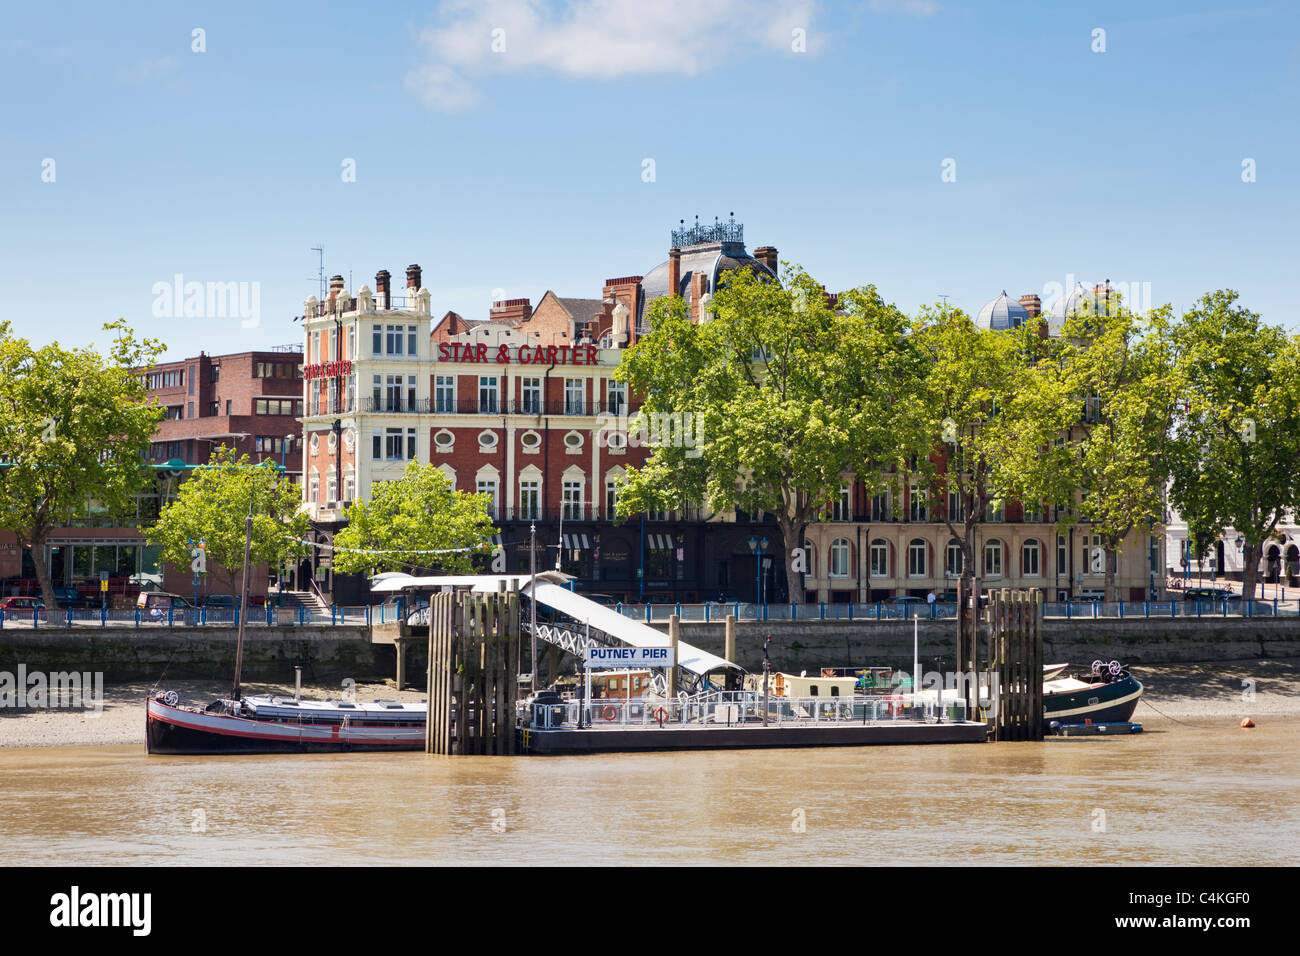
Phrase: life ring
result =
(610, 712)
(660, 715)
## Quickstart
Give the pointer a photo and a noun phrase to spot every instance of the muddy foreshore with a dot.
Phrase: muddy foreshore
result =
(1219, 694)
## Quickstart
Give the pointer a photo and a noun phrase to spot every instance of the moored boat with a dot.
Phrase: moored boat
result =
(1109, 695)
(267, 724)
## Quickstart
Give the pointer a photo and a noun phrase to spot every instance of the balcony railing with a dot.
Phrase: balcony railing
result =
(330, 408)
(471, 406)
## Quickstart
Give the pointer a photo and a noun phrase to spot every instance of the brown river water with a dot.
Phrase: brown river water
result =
(1178, 794)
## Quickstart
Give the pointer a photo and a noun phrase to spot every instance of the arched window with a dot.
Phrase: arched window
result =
(839, 566)
(993, 559)
(1031, 559)
(879, 558)
(917, 565)
(953, 560)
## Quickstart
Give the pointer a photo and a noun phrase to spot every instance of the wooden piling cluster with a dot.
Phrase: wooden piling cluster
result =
(474, 647)
(1015, 631)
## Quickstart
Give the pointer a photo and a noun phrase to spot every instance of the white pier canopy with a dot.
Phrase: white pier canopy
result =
(624, 630)
(590, 623)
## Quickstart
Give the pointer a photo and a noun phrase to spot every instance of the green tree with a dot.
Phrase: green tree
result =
(1237, 435)
(776, 397)
(212, 505)
(74, 428)
(417, 520)
(1094, 424)
(964, 430)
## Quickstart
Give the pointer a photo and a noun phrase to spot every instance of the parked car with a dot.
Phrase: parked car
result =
(18, 603)
(1210, 594)
(220, 601)
(157, 603)
(71, 597)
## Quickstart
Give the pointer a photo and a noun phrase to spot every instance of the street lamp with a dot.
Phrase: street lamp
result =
(757, 546)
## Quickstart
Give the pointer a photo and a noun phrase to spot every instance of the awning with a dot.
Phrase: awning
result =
(477, 582)
(660, 542)
(575, 542)
(495, 541)
(630, 632)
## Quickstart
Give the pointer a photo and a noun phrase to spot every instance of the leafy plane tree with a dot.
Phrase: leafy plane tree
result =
(1236, 440)
(75, 427)
(786, 395)
(961, 424)
(1095, 429)
(418, 520)
(212, 506)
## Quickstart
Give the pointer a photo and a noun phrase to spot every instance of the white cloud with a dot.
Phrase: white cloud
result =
(911, 8)
(598, 39)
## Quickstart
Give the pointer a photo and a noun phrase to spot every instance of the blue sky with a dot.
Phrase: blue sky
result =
(521, 169)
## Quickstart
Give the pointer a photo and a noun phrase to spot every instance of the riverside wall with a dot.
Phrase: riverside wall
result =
(199, 653)
(807, 645)
(334, 653)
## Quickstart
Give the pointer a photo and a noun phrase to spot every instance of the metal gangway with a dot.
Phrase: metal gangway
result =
(581, 622)
(587, 623)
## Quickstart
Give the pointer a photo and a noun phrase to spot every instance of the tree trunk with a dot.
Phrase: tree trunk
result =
(792, 537)
(37, 548)
(1249, 570)
(1112, 562)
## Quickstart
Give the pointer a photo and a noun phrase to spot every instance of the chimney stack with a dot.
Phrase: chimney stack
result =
(674, 271)
(513, 311)
(1033, 305)
(336, 286)
(413, 277)
(383, 288)
(767, 256)
(698, 283)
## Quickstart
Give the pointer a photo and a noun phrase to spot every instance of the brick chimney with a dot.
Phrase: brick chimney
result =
(767, 256)
(514, 311)
(698, 282)
(413, 278)
(336, 286)
(1033, 305)
(674, 271)
(383, 289)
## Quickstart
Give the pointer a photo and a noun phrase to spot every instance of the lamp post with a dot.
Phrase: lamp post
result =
(532, 600)
(757, 546)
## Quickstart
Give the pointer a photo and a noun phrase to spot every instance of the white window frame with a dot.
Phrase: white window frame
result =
(839, 558)
(1028, 547)
(997, 568)
(914, 547)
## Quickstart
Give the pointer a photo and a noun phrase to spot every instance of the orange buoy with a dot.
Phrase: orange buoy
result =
(1247, 722)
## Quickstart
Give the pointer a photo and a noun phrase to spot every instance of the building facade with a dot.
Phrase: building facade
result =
(247, 401)
(522, 406)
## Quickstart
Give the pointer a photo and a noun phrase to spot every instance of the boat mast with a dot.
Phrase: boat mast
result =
(242, 611)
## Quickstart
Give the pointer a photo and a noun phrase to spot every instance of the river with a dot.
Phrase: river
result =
(1178, 794)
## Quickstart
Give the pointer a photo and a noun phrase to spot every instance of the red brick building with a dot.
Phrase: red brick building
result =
(248, 401)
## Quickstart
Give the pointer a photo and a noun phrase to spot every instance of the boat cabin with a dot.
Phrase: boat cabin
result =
(802, 685)
(620, 685)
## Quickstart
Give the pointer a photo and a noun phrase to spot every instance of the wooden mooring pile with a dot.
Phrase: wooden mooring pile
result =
(1011, 664)
(474, 646)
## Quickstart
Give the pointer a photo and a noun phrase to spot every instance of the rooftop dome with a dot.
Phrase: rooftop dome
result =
(1001, 314)
(1080, 299)
(707, 249)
